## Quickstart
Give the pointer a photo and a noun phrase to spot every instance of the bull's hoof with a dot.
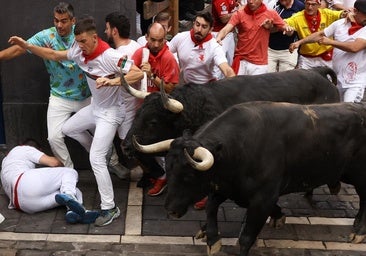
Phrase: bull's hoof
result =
(277, 223)
(355, 239)
(201, 235)
(215, 248)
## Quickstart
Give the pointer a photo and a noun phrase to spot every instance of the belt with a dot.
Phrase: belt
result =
(94, 77)
(16, 202)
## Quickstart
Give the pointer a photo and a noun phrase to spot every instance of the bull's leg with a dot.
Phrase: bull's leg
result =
(359, 224)
(212, 231)
(278, 219)
(257, 214)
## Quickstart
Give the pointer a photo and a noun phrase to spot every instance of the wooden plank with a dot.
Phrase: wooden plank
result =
(153, 8)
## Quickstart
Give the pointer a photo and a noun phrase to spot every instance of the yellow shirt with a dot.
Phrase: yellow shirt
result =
(298, 22)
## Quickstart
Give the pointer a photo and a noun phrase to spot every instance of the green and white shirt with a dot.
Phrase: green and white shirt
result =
(67, 80)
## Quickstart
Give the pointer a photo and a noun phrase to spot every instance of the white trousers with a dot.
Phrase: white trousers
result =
(247, 68)
(59, 111)
(307, 63)
(281, 60)
(37, 187)
(105, 121)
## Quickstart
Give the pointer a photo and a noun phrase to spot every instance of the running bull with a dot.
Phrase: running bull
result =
(255, 152)
(190, 106)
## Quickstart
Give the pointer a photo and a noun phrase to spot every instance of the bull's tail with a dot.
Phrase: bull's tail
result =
(327, 72)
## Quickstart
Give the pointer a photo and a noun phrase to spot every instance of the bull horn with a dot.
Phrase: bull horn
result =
(152, 148)
(170, 104)
(204, 155)
(138, 94)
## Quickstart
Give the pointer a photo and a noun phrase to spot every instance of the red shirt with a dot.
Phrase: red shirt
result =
(164, 65)
(253, 39)
(219, 9)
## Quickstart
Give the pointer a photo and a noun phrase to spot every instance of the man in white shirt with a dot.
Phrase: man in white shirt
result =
(102, 66)
(198, 52)
(31, 189)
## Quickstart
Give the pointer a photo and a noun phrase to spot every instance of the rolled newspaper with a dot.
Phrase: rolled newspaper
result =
(145, 58)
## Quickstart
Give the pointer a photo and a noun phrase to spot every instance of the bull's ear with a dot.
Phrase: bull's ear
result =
(187, 133)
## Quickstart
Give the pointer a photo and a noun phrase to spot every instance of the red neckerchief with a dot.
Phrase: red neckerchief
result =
(200, 43)
(260, 9)
(101, 47)
(354, 28)
(313, 21)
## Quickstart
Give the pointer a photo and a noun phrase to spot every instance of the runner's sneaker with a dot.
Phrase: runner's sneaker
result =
(200, 205)
(158, 188)
(89, 217)
(107, 216)
(70, 202)
(72, 217)
(121, 171)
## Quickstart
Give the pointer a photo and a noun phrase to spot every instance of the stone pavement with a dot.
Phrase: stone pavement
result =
(317, 228)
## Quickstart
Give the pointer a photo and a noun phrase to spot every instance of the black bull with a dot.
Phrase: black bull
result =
(263, 150)
(202, 103)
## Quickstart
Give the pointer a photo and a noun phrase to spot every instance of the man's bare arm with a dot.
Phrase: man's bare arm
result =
(43, 52)
(312, 38)
(132, 76)
(227, 70)
(12, 52)
(50, 161)
(349, 46)
(223, 32)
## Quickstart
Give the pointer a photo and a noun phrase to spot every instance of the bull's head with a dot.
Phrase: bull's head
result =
(186, 185)
(152, 123)
(204, 156)
(169, 103)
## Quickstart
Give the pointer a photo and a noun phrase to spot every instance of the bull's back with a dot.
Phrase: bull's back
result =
(295, 86)
(306, 145)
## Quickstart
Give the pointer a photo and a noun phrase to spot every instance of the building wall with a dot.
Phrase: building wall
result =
(24, 80)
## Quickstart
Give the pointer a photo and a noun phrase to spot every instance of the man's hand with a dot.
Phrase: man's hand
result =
(294, 46)
(104, 81)
(146, 67)
(288, 30)
(267, 24)
(324, 40)
(16, 40)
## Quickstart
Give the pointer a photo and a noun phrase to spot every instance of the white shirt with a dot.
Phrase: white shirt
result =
(129, 49)
(104, 65)
(142, 40)
(197, 63)
(18, 160)
(349, 67)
